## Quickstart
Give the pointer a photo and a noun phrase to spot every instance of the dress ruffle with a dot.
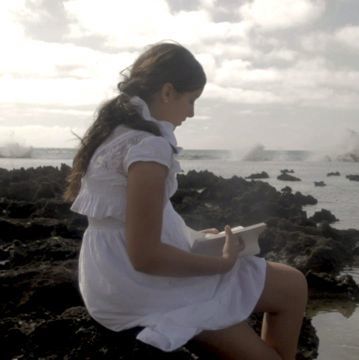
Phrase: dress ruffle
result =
(100, 203)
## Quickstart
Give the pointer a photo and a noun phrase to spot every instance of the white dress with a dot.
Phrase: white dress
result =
(171, 309)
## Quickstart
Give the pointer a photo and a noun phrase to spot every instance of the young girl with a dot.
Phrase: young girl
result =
(135, 266)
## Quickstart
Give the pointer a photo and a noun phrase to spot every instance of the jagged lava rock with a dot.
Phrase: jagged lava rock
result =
(261, 175)
(40, 240)
(287, 177)
(353, 177)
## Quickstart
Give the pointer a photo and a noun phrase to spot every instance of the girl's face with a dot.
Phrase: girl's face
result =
(174, 107)
(181, 106)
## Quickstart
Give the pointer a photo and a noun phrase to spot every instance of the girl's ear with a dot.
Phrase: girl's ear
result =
(167, 92)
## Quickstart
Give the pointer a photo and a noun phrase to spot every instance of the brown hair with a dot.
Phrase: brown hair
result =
(159, 64)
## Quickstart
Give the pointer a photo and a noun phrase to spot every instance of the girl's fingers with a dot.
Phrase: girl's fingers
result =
(210, 231)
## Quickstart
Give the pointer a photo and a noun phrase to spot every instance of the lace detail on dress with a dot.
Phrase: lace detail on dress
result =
(109, 156)
(103, 188)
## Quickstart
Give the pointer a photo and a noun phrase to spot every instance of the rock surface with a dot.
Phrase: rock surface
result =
(353, 177)
(42, 312)
(286, 177)
(261, 175)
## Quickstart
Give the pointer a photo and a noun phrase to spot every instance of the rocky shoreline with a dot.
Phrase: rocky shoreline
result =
(42, 312)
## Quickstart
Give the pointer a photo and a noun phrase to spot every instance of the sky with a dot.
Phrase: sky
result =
(281, 73)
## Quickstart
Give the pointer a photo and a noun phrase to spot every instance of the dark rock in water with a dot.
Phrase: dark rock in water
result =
(334, 173)
(319, 183)
(324, 285)
(234, 201)
(323, 215)
(286, 177)
(287, 171)
(308, 248)
(353, 177)
(261, 175)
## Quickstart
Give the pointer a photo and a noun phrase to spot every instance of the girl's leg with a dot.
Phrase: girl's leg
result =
(283, 302)
(237, 342)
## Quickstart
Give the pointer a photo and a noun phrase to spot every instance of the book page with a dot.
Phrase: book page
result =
(212, 244)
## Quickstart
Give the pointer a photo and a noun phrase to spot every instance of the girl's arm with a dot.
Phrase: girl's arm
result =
(145, 201)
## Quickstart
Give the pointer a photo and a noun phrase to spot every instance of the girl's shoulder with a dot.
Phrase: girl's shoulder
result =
(123, 130)
(132, 136)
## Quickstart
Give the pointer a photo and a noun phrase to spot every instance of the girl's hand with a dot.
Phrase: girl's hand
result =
(232, 247)
(210, 231)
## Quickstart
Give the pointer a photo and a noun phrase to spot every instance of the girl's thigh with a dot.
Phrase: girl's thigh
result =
(284, 287)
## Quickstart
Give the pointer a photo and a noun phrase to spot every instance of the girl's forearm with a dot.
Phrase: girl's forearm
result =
(168, 260)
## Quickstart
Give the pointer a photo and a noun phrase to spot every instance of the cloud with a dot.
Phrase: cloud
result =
(241, 73)
(281, 14)
(257, 59)
(237, 95)
(65, 91)
(316, 41)
(349, 36)
(118, 18)
(10, 29)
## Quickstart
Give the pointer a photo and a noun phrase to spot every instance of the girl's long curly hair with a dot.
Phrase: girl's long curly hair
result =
(161, 63)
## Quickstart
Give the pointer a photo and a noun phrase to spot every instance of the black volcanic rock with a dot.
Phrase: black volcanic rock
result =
(287, 171)
(42, 311)
(286, 177)
(261, 175)
(323, 215)
(353, 177)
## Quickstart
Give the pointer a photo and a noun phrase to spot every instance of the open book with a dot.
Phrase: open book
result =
(212, 244)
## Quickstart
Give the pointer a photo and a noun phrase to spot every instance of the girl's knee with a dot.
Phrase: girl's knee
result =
(289, 281)
(297, 285)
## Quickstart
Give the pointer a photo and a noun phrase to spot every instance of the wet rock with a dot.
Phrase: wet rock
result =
(319, 183)
(234, 201)
(42, 311)
(287, 190)
(325, 285)
(38, 228)
(353, 177)
(261, 175)
(287, 171)
(308, 248)
(323, 215)
(286, 177)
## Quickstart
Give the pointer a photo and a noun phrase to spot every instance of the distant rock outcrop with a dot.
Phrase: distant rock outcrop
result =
(287, 177)
(353, 177)
(319, 183)
(261, 175)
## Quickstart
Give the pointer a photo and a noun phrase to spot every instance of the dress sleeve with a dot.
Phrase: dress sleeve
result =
(151, 148)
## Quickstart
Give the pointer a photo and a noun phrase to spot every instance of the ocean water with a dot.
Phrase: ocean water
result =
(336, 322)
(340, 196)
